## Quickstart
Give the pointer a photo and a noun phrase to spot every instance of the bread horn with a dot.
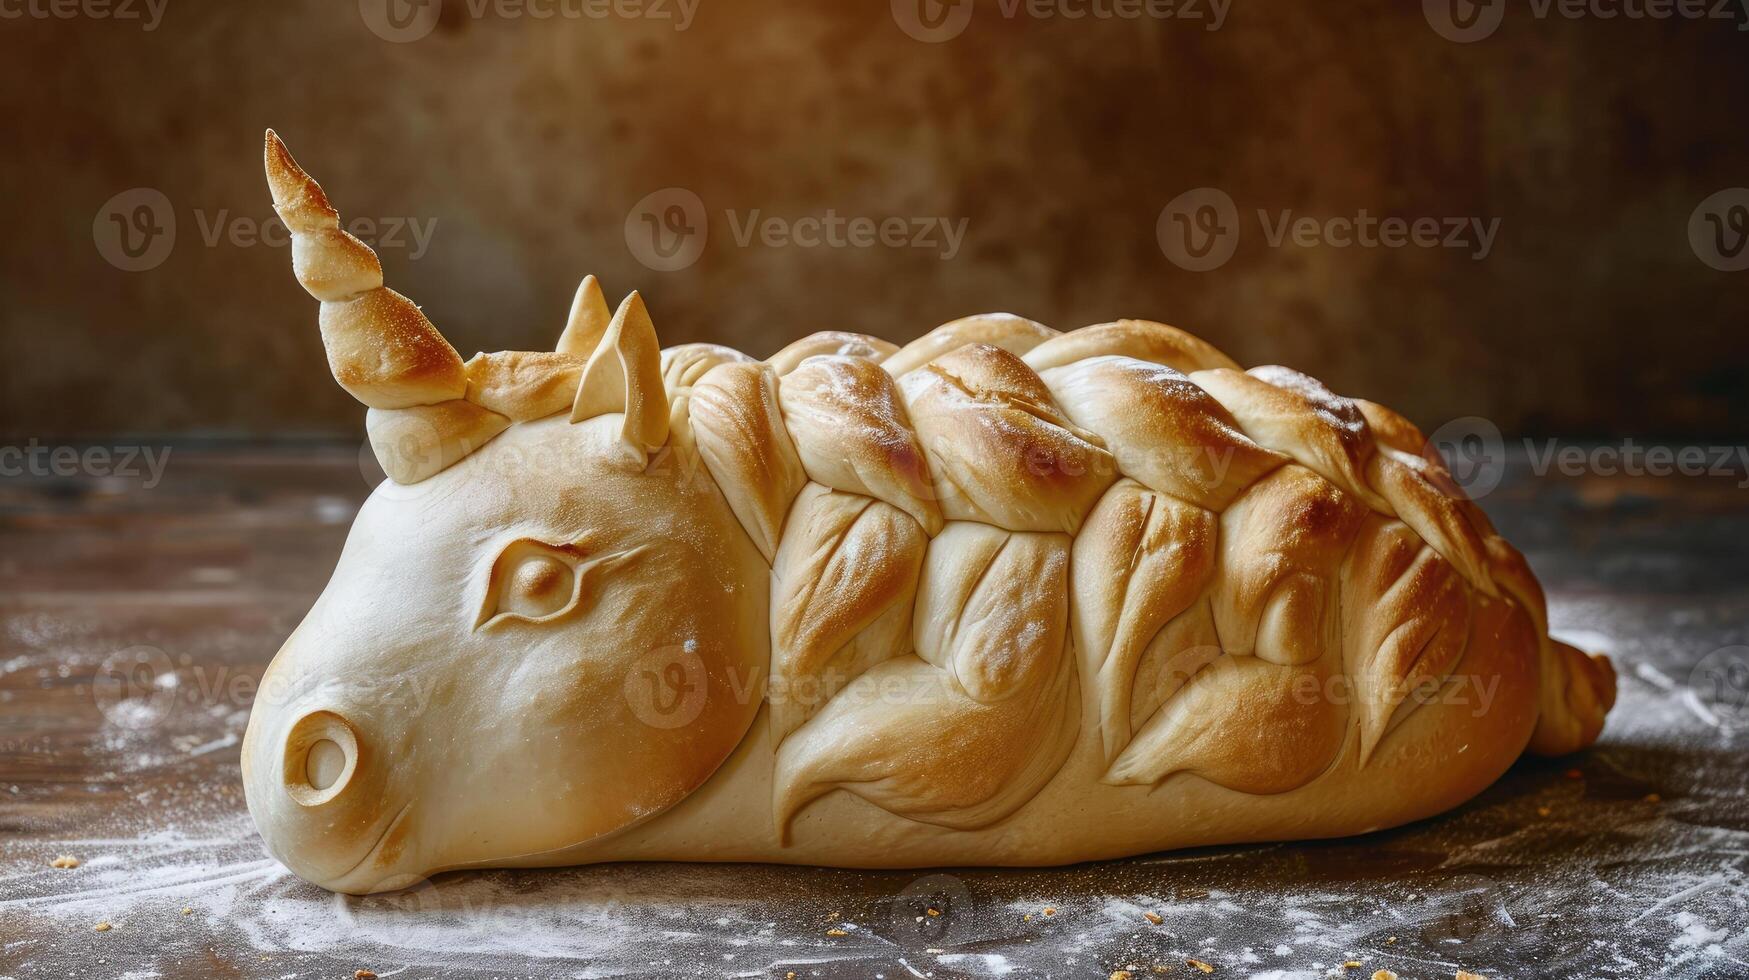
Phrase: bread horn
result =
(381, 348)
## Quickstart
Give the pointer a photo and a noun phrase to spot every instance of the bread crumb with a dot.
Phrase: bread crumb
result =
(64, 861)
(1200, 965)
(1120, 975)
(791, 975)
(1467, 975)
(186, 910)
(1153, 917)
(1654, 798)
(932, 913)
(1351, 965)
(1391, 941)
(101, 927)
(1027, 917)
(836, 932)
(1383, 975)
(1049, 910)
(1543, 811)
(363, 975)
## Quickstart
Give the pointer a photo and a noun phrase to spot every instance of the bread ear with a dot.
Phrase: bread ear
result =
(624, 374)
(588, 320)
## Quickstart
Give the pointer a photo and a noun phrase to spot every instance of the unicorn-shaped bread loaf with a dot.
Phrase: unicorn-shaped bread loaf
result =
(1001, 596)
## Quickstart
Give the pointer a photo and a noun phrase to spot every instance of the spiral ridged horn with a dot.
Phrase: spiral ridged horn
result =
(380, 347)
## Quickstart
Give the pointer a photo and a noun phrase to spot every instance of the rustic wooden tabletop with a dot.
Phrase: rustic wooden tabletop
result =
(136, 614)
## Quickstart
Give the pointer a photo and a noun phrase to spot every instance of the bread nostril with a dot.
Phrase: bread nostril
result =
(321, 758)
(326, 762)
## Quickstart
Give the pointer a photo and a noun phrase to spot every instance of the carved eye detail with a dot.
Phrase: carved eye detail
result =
(533, 582)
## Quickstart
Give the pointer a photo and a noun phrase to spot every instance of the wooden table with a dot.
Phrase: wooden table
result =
(134, 621)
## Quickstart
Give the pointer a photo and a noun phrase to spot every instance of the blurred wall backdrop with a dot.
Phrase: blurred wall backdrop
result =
(1153, 158)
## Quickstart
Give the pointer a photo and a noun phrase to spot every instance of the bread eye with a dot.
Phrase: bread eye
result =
(531, 581)
(540, 586)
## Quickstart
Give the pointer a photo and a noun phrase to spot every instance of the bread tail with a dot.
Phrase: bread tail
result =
(1578, 689)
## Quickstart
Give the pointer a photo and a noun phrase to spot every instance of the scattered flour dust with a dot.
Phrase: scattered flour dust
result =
(1493, 888)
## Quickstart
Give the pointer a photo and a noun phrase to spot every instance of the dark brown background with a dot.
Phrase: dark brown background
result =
(529, 140)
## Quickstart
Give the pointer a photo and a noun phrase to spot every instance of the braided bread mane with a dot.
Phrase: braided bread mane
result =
(1249, 574)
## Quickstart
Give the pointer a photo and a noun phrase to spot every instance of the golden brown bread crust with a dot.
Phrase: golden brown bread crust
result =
(1005, 596)
(741, 437)
(381, 348)
(843, 584)
(834, 343)
(1143, 340)
(1162, 428)
(1014, 334)
(524, 385)
(682, 366)
(852, 433)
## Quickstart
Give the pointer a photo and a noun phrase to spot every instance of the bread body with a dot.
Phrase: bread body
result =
(1000, 596)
